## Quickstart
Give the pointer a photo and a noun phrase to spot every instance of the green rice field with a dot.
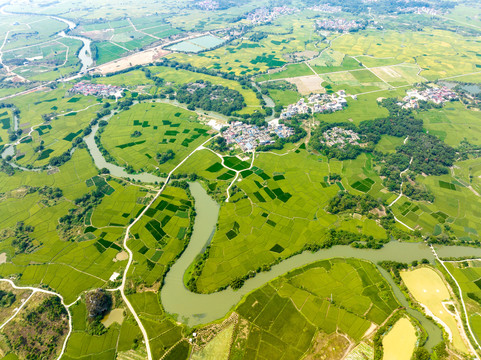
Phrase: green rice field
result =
(163, 127)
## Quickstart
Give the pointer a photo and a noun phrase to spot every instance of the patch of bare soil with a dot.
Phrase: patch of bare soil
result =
(307, 84)
(100, 35)
(140, 58)
(328, 347)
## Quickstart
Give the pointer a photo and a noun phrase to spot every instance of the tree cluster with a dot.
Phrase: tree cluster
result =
(7, 298)
(417, 193)
(22, 241)
(219, 144)
(205, 95)
(430, 155)
(76, 216)
(162, 158)
(346, 202)
(343, 237)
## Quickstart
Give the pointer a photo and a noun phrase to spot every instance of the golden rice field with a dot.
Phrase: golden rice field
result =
(429, 289)
(399, 343)
(440, 53)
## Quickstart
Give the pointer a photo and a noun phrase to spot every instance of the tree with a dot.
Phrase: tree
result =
(162, 158)
(98, 302)
(237, 283)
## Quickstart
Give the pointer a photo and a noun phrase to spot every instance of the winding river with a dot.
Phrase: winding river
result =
(115, 170)
(85, 53)
(194, 309)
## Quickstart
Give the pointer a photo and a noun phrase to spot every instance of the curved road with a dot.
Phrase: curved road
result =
(131, 255)
(35, 290)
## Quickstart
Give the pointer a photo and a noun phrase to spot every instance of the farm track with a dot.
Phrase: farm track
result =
(140, 31)
(473, 336)
(121, 288)
(38, 290)
(237, 172)
(131, 255)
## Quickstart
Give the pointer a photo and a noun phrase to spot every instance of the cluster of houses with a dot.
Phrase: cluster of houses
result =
(86, 89)
(248, 137)
(207, 5)
(192, 87)
(326, 8)
(265, 15)
(437, 95)
(427, 11)
(317, 103)
(340, 25)
(339, 137)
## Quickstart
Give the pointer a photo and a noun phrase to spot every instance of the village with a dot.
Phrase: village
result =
(326, 8)
(421, 10)
(208, 5)
(264, 15)
(317, 103)
(96, 90)
(248, 137)
(437, 95)
(340, 25)
(340, 137)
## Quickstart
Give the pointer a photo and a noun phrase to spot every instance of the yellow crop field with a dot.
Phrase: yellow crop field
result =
(440, 53)
(399, 343)
(218, 348)
(429, 290)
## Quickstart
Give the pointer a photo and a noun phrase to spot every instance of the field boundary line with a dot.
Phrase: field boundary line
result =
(462, 303)
(131, 255)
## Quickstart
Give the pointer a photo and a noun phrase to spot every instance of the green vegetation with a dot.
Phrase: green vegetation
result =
(465, 273)
(284, 315)
(210, 97)
(287, 212)
(164, 127)
(7, 298)
(39, 330)
(414, 174)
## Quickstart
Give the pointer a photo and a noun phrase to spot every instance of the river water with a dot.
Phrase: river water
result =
(85, 53)
(435, 335)
(269, 102)
(194, 309)
(115, 170)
